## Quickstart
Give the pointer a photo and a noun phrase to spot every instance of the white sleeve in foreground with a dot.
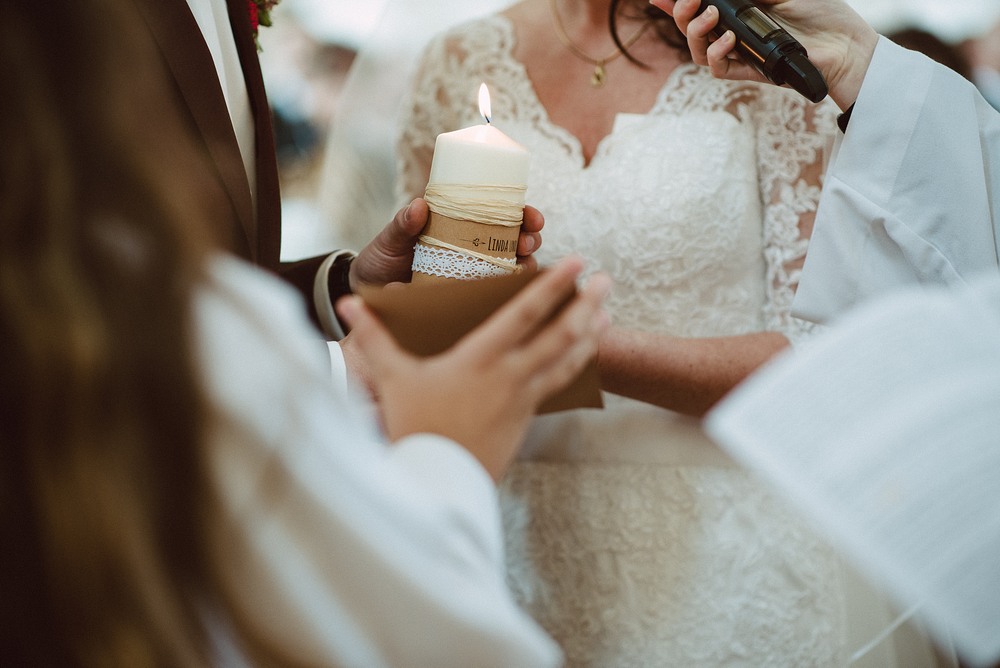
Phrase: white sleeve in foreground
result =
(338, 548)
(459, 482)
(887, 431)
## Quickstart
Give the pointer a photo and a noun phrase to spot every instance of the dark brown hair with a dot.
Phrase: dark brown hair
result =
(661, 22)
(102, 242)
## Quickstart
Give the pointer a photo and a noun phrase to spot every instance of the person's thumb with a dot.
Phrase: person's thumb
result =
(400, 235)
(389, 256)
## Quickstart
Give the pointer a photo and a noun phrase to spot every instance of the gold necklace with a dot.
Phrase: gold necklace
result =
(600, 74)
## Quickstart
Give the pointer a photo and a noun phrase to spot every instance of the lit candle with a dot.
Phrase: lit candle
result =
(476, 196)
(479, 154)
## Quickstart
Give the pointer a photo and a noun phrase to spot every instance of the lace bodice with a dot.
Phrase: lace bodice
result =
(630, 537)
(699, 210)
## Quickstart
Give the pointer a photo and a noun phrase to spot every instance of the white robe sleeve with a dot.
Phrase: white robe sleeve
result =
(340, 549)
(912, 195)
(884, 431)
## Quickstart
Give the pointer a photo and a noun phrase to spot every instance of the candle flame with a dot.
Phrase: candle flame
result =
(484, 102)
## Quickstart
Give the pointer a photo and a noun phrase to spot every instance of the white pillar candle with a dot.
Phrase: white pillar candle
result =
(480, 155)
(476, 195)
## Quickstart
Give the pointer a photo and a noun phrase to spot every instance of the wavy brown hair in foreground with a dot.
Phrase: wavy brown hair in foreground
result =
(103, 492)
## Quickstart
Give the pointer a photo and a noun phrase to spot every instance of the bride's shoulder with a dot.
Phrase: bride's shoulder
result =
(765, 101)
(472, 35)
(821, 117)
(527, 13)
(469, 48)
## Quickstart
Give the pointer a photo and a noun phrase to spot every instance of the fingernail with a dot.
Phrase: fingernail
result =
(529, 243)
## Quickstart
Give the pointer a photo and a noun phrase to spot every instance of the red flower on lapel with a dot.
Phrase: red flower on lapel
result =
(260, 15)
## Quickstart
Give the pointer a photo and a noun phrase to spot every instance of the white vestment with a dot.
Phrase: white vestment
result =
(343, 551)
(891, 442)
(890, 438)
(912, 195)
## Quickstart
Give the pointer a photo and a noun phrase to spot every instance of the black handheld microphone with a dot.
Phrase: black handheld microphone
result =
(768, 47)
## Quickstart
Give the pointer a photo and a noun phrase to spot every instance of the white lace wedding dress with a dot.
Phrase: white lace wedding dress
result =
(631, 538)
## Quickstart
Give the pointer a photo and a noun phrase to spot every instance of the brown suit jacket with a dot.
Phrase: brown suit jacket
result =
(189, 62)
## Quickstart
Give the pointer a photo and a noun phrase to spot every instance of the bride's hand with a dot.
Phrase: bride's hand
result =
(484, 390)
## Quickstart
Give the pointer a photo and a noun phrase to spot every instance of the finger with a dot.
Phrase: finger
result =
(578, 326)
(529, 238)
(719, 55)
(373, 340)
(684, 11)
(557, 376)
(725, 63)
(523, 314)
(389, 256)
(665, 5)
(409, 221)
(699, 33)
(533, 220)
(401, 234)
(528, 243)
(571, 356)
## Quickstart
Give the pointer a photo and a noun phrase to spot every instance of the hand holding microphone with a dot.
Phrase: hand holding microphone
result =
(840, 43)
(768, 47)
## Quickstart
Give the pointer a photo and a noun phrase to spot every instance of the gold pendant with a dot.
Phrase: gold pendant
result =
(598, 78)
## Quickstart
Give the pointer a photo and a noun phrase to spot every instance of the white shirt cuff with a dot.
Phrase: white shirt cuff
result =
(329, 322)
(338, 367)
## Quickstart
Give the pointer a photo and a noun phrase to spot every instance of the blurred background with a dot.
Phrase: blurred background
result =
(337, 70)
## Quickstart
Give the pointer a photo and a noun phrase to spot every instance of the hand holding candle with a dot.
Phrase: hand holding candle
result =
(476, 197)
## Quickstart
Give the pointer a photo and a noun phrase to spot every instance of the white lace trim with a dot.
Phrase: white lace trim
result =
(445, 263)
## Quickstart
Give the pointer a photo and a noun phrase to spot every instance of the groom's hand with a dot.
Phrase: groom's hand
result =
(529, 239)
(388, 258)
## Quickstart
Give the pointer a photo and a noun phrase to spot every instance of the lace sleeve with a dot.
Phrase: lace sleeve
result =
(429, 109)
(793, 142)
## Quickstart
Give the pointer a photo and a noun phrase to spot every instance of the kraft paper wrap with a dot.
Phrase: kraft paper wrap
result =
(428, 318)
(478, 238)
(492, 243)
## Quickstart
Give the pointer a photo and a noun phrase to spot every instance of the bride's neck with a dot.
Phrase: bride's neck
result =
(591, 13)
(587, 15)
